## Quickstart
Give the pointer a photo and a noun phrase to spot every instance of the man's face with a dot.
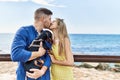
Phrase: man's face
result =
(47, 21)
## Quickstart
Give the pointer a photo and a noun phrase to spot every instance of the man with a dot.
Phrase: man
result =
(23, 38)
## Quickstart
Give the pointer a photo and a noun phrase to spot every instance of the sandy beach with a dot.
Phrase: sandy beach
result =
(8, 69)
(93, 74)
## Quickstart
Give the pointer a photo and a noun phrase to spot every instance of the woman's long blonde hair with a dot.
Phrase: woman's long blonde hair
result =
(62, 34)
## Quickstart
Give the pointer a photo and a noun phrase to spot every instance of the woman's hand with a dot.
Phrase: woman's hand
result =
(52, 58)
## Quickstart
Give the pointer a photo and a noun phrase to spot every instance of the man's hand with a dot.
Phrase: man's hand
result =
(41, 49)
(38, 53)
(36, 73)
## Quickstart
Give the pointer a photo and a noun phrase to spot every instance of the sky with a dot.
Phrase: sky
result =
(80, 16)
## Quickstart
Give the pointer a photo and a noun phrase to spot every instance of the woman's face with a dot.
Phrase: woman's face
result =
(53, 25)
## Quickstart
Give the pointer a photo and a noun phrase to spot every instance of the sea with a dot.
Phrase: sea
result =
(84, 44)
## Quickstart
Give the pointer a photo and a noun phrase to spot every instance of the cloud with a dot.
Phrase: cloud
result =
(47, 3)
(13, 0)
(42, 2)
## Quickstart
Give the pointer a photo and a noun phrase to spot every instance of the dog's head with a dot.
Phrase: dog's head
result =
(46, 38)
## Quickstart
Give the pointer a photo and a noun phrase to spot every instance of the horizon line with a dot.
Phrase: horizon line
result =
(70, 33)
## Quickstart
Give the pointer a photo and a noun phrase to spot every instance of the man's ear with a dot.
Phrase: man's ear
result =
(42, 18)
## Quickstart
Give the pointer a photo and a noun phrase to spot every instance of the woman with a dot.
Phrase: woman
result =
(62, 57)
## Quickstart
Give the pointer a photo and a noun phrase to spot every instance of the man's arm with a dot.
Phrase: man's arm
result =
(18, 48)
(47, 62)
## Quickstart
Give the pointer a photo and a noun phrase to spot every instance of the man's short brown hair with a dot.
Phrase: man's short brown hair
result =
(42, 11)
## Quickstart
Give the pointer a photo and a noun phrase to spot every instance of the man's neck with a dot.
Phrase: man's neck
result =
(38, 27)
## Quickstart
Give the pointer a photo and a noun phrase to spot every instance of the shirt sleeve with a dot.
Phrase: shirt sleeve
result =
(18, 48)
(47, 62)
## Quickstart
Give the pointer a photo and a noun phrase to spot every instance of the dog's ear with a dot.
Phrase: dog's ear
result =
(50, 35)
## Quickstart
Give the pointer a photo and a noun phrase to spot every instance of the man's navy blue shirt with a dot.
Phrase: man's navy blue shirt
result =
(23, 38)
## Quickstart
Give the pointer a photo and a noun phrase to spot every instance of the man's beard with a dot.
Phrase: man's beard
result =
(48, 27)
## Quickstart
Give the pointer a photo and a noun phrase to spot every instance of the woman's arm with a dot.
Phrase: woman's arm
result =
(68, 53)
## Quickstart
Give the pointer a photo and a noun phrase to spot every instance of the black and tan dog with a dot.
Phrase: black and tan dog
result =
(46, 38)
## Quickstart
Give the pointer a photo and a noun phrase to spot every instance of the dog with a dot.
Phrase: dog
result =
(46, 38)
